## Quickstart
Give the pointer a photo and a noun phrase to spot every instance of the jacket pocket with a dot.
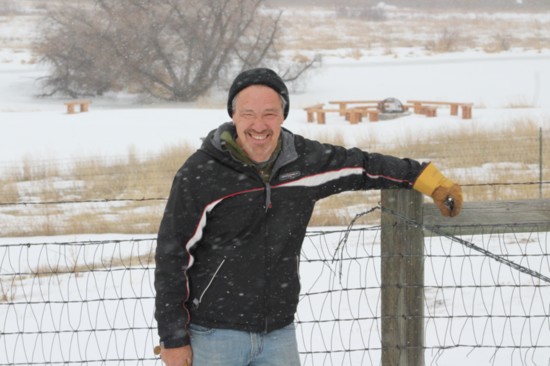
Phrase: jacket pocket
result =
(197, 301)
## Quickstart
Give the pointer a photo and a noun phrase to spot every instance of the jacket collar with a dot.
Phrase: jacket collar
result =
(287, 155)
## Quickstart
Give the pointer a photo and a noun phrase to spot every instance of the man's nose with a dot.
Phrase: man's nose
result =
(258, 124)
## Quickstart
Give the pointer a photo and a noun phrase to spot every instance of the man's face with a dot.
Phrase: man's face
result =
(258, 117)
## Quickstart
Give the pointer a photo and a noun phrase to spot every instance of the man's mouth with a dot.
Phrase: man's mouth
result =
(258, 137)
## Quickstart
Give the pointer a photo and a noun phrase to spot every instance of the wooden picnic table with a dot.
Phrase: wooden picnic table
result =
(343, 104)
(454, 106)
(84, 105)
(355, 110)
(353, 115)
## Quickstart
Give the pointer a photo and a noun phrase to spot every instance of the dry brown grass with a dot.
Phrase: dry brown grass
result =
(328, 137)
(76, 268)
(447, 40)
(479, 159)
(484, 162)
(519, 102)
(340, 209)
(72, 267)
(475, 158)
(8, 290)
(437, 31)
(8, 190)
(133, 180)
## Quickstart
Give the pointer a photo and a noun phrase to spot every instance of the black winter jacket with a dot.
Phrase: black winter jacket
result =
(228, 247)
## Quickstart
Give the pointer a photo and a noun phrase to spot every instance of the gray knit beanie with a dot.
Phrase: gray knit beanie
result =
(259, 76)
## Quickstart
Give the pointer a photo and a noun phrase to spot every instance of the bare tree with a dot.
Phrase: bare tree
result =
(8, 7)
(170, 49)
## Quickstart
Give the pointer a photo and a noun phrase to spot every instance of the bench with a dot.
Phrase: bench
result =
(355, 115)
(317, 112)
(370, 108)
(321, 114)
(311, 110)
(419, 107)
(352, 115)
(83, 104)
(343, 104)
(428, 111)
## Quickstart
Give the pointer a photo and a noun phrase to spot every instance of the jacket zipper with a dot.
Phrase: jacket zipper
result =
(266, 256)
(267, 196)
(197, 302)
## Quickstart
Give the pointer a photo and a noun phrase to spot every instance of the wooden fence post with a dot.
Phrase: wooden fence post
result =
(402, 249)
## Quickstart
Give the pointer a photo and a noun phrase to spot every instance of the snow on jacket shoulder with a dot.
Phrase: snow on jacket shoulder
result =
(228, 247)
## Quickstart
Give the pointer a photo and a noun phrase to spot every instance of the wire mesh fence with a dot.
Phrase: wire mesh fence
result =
(91, 301)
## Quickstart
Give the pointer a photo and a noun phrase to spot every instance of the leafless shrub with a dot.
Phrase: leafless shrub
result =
(8, 7)
(8, 290)
(33, 169)
(169, 49)
(4, 297)
(518, 102)
(446, 41)
(365, 12)
(500, 42)
(373, 14)
(8, 190)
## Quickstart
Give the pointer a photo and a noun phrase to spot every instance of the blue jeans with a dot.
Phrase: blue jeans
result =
(226, 347)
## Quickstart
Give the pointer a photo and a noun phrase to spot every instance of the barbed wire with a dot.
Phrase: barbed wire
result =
(490, 184)
(468, 244)
(162, 199)
(64, 202)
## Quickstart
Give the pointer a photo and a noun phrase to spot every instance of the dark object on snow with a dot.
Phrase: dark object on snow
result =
(391, 105)
(391, 108)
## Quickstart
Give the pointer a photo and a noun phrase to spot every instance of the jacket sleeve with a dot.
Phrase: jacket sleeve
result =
(354, 169)
(175, 238)
(386, 171)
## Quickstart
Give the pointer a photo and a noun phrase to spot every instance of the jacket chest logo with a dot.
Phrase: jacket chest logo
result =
(290, 175)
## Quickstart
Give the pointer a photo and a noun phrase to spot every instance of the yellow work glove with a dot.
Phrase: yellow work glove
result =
(445, 193)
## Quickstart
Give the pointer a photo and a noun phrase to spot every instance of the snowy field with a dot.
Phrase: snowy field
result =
(59, 314)
(40, 128)
(477, 310)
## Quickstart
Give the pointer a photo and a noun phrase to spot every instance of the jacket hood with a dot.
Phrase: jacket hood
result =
(214, 145)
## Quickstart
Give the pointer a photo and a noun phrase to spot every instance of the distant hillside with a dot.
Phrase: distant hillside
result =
(12, 6)
(435, 4)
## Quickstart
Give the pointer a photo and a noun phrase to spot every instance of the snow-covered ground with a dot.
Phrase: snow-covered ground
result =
(59, 312)
(477, 310)
(37, 128)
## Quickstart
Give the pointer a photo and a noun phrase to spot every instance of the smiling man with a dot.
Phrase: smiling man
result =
(228, 249)
(258, 118)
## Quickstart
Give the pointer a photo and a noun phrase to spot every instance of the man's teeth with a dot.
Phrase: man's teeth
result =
(258, 137)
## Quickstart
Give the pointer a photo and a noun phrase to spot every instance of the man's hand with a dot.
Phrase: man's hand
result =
(448, 200)
(181, 356)
(446, 194)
